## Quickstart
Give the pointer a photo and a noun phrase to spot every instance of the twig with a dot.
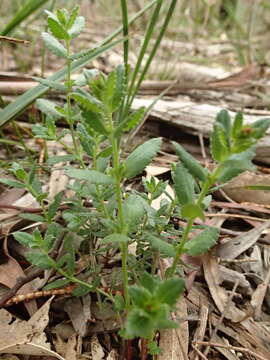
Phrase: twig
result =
(199, 352)
(230, 347)
(21, 280)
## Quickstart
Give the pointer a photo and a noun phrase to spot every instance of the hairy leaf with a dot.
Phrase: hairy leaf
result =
(76, 27)
(56, 284)
(48, 107)
(141, 157)
(39, 259)
(57, 30)
(73, 16)
(54, 45)
(192, 211)
(219, 146)
(161, 245)
(202, 242)
(190, 162)
(183, 184)
(93, 176)
(119, 238)
(24, 238)
(169, 290)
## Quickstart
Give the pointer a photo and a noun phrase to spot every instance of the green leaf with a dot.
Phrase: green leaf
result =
(183, 184)
(218, 142)
(89, 102)
(60, 158)
(202, 242)
(57, 30)
(38, 239)
(141, 157)
(56, 284)
(134, 209)
(192, 165)
(149, 282)
(70, 255)
(237, 124)
(73, 16)
(140, 296)
(105, 153)
(54, 45)
(262, 124)
(153, 348)
(119, 303)
(192, 211)
(93, 176)
(24, 238)
(21, 102)
(120, 238)
(233, 168)
(76, 27)
(236, 164)
(61, 16)
(131, 121)
(33, 217)
(160, 245)
(109, 90)
(224, 119)
(119, 90)
(53, 231)
(18, 171)
(48, 108)
(39, 259)
(51, 84)
(95, 121)
(12, 183)
(139, 324)
(53, 207)
(81, 290)
(169, 290)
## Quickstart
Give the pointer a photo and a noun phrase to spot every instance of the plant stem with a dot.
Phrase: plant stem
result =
(121, 224)
(179, 249)
(69, 108)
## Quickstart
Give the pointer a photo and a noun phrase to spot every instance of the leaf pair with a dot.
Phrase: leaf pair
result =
(152, 302)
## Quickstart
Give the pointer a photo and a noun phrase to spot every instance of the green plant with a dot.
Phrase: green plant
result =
(102, 213)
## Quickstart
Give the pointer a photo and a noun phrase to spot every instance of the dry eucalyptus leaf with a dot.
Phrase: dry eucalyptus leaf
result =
(79, 313)
(236, 246)
(237, 190)
(26, 337)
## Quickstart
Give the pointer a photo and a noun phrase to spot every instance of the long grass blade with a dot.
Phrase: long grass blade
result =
(28, 9)
(31, 95)
(147, 37)
(13, 109)
(125, 31)
(154, 50)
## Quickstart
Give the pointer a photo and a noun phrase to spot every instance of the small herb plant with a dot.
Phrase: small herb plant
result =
(102, 213)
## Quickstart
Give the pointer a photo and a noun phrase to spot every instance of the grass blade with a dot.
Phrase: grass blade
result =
(31, 95)
(125, 31)
(28, 9)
